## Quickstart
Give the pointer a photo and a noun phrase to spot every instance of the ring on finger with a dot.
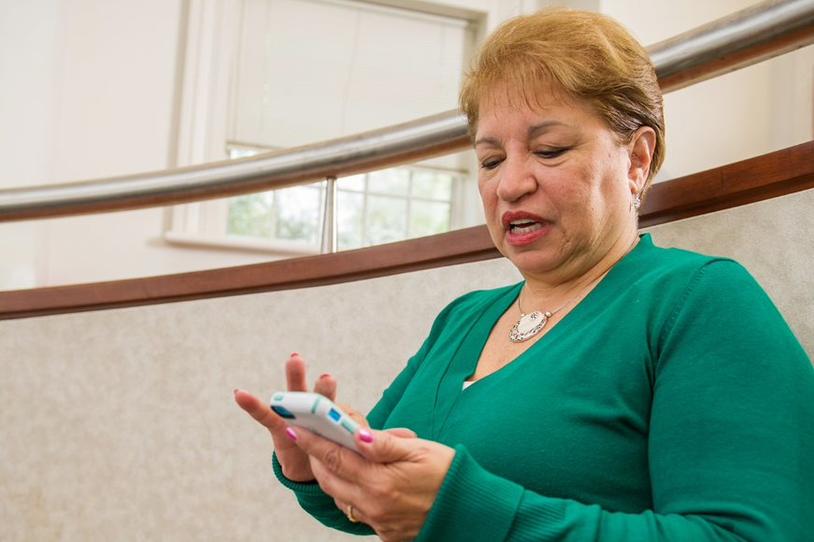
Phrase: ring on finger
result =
(350, 515)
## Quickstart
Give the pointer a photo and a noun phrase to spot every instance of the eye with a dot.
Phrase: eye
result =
(490, 163)
(550, 153)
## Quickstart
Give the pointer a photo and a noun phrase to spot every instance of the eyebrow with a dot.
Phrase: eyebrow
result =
(533, 132)
(543, 127)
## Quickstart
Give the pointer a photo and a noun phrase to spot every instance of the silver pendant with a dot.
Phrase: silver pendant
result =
(528, 326)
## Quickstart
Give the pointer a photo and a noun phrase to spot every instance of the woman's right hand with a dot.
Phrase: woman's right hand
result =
(295, 463)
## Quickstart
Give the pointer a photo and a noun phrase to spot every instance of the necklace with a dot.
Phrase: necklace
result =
(530, 324)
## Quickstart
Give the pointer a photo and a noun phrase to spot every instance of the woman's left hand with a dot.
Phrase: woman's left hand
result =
(391, 486)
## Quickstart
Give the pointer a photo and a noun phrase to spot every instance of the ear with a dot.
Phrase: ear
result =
(641, 148)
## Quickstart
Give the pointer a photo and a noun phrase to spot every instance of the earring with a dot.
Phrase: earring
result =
(637, 202)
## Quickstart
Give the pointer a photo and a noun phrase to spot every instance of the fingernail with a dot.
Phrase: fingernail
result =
(365, 436)
(325, 375)
(235, 390)
(294, 354)
(291, 434)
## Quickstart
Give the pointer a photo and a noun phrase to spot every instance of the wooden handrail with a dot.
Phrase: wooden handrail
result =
(770, 175)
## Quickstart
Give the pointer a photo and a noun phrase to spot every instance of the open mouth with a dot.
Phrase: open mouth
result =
(521, 227)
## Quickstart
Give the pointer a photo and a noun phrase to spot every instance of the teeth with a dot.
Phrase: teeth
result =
(528, 228)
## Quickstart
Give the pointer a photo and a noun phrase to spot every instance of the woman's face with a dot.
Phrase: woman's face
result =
(556, 185)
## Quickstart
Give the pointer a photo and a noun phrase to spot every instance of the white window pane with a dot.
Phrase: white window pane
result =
(428, 218)
(430, 184)
(386, 219)
(394, 181)
(350, 219)
(298, 216)
(251, 215)
(364, 52)
(354, 182)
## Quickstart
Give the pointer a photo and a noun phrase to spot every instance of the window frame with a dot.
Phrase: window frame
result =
(208, 69)
(457, 176)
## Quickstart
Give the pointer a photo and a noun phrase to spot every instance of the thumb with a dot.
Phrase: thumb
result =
(383, 446)
(402, 432)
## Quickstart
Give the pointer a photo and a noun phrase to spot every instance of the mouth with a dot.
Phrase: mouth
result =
(523, 228)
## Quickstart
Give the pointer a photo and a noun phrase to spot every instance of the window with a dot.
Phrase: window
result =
(373, 208)
(255, 80)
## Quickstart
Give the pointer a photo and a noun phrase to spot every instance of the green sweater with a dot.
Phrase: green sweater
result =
(673, 403)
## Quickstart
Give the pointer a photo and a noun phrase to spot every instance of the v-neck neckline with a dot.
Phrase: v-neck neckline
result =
(465, 360)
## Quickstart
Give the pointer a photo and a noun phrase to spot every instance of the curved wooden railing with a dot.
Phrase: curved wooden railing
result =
(759, 32)
(770, 175)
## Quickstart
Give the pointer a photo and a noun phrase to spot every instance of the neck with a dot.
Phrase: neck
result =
(549, 294)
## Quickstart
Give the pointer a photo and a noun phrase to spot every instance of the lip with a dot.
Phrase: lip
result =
(522, 239)
(510, 216)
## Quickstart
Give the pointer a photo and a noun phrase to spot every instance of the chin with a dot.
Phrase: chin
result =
(532, 261)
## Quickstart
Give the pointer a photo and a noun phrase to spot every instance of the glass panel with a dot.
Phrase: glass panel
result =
(386, 219)
(298, 213)
(394, 181)
(431, 184)
(427, 218)
(354, 182)
(251, 215)
(350, 219)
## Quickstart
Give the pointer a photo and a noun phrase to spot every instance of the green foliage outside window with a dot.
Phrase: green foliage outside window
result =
(378, 207)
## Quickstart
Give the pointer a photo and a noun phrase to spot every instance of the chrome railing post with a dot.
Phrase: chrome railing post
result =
(329, 228)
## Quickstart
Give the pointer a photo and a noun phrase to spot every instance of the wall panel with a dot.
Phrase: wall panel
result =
(120, 424)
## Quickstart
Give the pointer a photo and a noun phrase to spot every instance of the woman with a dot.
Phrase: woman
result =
(621, 391)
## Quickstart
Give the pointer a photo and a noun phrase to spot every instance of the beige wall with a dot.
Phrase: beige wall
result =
(746, 113)
(89, 90)
(119, 425)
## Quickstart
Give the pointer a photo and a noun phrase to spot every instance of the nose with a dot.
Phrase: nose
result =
(517, 179)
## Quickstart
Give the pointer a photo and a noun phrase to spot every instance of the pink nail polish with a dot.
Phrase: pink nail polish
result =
(325, 375)
(365, 436)
(235, 390)
(294, 354)
(291, 434)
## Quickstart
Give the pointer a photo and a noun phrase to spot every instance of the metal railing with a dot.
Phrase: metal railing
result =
(746, 37)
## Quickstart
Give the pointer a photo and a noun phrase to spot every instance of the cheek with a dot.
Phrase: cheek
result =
(615, 189)
(488, 196)
(578, 198)
(572, 190)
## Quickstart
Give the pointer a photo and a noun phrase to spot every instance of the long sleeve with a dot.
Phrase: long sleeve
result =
(730, 443)
(309, 495)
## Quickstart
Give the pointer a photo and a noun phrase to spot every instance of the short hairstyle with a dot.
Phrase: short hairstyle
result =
(587, 55)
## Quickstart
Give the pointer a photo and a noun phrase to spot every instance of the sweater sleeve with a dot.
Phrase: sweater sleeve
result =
(309, 495)
(731, 442)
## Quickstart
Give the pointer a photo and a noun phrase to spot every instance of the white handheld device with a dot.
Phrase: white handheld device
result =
(316, 413)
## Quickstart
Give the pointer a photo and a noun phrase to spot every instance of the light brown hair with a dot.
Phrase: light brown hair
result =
(586, 55)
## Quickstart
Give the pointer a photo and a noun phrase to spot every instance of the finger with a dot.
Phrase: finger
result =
(402, 432)
(348, 492)
(326, 385)
(355, 415)
(295, 373)
(341, 461)
(384, 447)
(259, 410)
(344, 507)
